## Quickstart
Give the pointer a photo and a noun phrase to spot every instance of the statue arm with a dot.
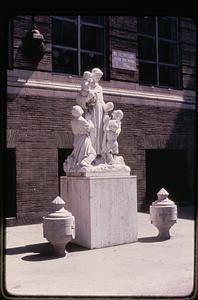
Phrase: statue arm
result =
(106, 121)
(90, 124)
(91, 98)
(108, 106)
(81, 100)
(87, 126)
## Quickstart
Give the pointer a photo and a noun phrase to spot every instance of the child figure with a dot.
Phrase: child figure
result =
(112, 144)
(86, 82)
(112, 129)
(118, 115)
(85, 96)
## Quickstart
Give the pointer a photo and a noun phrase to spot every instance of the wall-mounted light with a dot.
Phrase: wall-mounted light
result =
(33, 47)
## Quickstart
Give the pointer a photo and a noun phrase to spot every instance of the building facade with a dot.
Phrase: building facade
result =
(149, 73)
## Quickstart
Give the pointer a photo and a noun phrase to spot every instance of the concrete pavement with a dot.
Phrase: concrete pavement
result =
(146, 268)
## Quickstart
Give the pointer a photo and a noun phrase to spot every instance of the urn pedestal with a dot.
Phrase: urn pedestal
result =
(59, 227)
(163, 214)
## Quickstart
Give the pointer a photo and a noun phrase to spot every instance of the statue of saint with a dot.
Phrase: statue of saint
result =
(95, 134)
(95, 107)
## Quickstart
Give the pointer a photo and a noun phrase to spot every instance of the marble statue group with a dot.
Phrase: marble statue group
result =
(96, 127)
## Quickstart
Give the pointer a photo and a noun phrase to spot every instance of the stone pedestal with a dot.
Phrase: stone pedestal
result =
(104, 207)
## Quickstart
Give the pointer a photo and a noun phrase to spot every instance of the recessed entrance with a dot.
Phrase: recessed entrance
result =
(168, 169)
(62, 155)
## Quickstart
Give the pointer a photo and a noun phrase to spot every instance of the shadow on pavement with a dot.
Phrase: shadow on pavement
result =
(40, 257)
(42, 248)
(151, 239)
(43, 251)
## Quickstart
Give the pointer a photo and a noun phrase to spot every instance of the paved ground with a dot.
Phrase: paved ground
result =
(145, 268)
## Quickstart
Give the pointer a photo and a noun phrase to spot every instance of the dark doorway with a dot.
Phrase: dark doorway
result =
(167, 169)
(62, 155)
(10, 196)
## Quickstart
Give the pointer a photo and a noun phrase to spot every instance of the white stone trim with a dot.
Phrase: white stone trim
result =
(56, 85)
(48, 85)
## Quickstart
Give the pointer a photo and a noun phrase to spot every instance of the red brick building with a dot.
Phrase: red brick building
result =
(149, 73)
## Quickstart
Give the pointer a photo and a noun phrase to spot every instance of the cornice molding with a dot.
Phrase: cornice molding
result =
(19, 83)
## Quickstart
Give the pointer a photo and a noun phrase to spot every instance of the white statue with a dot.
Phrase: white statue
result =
(95, 135)
(83, 153)
(95, 107)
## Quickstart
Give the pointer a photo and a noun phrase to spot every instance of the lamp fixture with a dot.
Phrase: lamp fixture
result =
(33, 45)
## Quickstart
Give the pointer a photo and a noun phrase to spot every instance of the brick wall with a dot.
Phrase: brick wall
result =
(37, 126)
(122, 35)
(43, 126)
(154, 128)
(188, 52)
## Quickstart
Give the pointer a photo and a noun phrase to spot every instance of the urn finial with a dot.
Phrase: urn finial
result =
(163, 198)
(58, 208)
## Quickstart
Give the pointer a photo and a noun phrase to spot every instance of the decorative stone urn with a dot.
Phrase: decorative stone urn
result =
(59, 227)
(163, 214)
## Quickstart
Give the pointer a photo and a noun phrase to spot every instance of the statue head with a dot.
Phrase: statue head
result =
(117, 114)
(96, 74)
(87, 75)
(77, 111)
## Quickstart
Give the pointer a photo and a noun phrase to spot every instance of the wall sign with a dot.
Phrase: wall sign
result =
(124, 60)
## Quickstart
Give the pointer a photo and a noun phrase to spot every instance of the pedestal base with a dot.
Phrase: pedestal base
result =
(105, 209)
(59, 249)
